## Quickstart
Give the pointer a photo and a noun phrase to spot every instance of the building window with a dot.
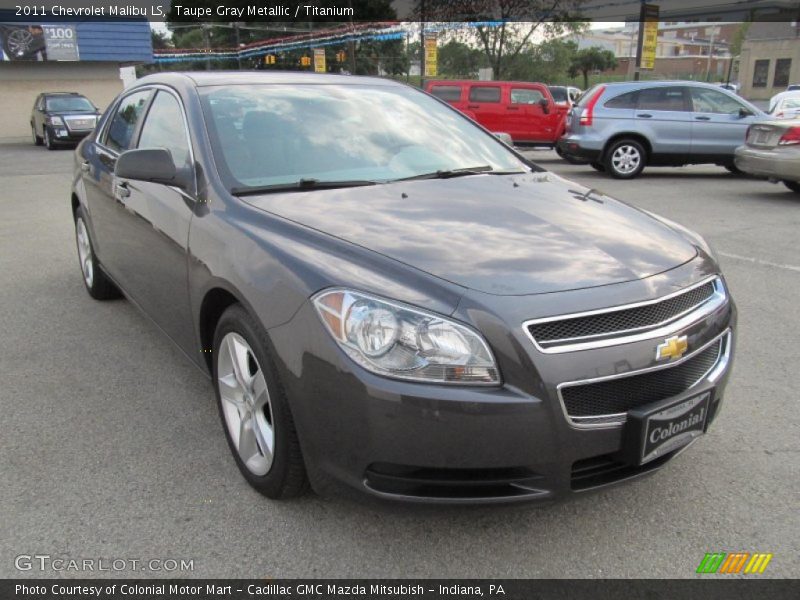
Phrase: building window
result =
(760, 73)
(782, 68)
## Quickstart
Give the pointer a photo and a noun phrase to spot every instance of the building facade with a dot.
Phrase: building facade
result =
(770, 59)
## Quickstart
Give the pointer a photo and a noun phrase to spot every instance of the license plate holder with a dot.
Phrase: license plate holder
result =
(654, 432)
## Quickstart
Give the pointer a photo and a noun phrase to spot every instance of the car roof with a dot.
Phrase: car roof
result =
(217, 78)
(62, 94)
(660, 83)
(455, 82)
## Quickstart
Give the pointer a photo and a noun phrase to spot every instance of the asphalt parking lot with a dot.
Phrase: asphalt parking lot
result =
(111, 444)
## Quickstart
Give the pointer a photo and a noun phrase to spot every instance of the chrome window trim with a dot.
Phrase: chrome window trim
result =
(625, 336)
(618, 419)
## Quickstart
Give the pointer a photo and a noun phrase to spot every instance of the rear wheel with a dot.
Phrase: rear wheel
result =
(792, 185)
(99, 286)
(253, 408)
(625, 159)
(36, 139)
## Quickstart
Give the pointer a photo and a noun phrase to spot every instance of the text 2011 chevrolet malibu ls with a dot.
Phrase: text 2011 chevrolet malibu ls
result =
(390, 299)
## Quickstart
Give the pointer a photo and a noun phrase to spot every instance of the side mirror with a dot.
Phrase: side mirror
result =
(150, 164)
(545, 105)
(743, 112)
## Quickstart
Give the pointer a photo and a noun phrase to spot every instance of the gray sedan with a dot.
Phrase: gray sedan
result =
(772, 150)
(389, 299)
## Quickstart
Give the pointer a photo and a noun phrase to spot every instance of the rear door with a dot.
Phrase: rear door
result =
(110, 237)
(718, 127)
(484, 100)
(663, 115)
(154, 220)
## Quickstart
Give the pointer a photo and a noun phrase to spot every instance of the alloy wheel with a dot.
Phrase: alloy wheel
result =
(84, 252)
(246, 404)
(626, 159)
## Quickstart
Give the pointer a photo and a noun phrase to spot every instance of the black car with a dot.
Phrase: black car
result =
(62, 117)
(387, 298)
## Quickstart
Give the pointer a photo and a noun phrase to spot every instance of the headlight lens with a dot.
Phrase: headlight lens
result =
(399, 341)
(55, 120)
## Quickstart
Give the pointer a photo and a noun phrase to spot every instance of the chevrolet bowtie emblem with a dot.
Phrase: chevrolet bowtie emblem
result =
(672, 348)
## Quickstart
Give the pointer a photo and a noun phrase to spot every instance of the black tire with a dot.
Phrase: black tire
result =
(733, 169)
(614, 159)
(598, 166)
(792, 185)
(286, 477)
(37, 139)
(99, 286)
(48, 140)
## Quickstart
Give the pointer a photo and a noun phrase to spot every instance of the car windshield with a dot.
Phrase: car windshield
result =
(69, 103)
(270, 135)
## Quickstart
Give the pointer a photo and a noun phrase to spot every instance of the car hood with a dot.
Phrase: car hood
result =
(506, 235)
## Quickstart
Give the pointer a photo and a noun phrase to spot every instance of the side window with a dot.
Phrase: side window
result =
(662, 98)
(164, 128)
(120, 131)
(525, 96)
(448, 93)
(783, 66)
(712, 101)
(484, 93)
(623, 100)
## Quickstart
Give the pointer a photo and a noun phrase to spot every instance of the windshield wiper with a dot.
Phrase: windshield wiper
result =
(450, 173)
(301, 185)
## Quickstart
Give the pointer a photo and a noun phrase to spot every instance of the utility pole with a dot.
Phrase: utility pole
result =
(422, 44)
(639, 44)
(207, 43)
(351, 45)
(710, 52)
(238, 44)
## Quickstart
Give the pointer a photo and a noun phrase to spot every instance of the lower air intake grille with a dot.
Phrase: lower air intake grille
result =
(620, 395)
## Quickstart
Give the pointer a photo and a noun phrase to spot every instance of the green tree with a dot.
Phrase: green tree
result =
(589, 60)
(459, 60)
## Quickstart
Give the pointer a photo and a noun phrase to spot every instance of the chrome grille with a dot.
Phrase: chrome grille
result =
(80, 123)
(608, 399)
(607, 326)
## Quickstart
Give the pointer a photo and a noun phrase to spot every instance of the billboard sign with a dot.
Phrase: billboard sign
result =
(431, 55)
(650, 37)
(38, 42)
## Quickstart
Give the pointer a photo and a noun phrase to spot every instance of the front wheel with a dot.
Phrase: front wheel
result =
(99, 286)
(253, 408)
(792, 185)
(625, 159)
(48, 140)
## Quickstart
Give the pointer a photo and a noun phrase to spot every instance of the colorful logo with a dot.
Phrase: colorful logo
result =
(734, 562)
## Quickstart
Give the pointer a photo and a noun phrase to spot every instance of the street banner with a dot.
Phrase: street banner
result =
(650, 40)
(319, 60)
(431, 55)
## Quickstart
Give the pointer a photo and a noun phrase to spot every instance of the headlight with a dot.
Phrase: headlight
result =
(398, 341)
(56, 121)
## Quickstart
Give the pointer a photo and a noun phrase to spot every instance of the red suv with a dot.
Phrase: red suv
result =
(525, 111)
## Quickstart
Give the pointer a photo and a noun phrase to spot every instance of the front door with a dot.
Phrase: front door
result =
(719, 123)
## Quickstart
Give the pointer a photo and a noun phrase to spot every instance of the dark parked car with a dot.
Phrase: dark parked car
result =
(62, 117)
(388, 298)
(622, 127)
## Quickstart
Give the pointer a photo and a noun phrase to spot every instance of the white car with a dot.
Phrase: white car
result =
(790, 93)
(787, 107)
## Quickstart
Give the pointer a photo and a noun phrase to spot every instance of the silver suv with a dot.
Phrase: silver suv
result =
(621, 127)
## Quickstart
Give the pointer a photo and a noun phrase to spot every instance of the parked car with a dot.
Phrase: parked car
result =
(62, 117)
(772, 150)
(793, 87)
(389, 299)
(787, 108)
(778, 98)
(526, 111)
(731, 87)
(621, 127)
(564, 94)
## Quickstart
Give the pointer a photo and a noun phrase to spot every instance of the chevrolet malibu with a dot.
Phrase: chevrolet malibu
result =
(389, 299)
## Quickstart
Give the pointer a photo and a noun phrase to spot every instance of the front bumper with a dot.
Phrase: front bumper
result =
(774, 163)
(450, 444)
(65, 135)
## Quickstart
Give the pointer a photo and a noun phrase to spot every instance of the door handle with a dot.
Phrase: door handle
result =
(512, 107)
(703, 118)
(121, 191)
(85, 166)
(645, 115)
(473, 106)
